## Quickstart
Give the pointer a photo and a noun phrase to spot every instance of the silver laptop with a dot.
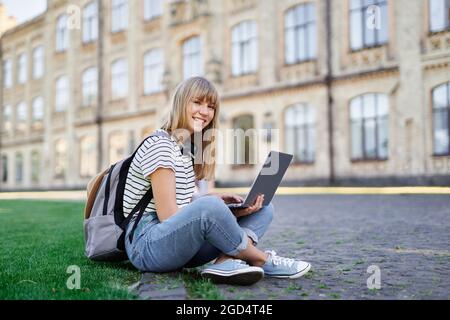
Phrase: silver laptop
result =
(268, 179)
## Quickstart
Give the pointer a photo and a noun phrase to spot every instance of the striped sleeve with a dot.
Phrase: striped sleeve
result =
(157, 154)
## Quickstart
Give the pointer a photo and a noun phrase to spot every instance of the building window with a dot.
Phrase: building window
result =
(22, 69)
(90, 85)
(244, 54)
(21, 116)
(300, 33)
(119, 79)
(19, 167)
(192, 57)
(5, 169)
(88, 159)
(119, 15)
(300, 133)
(439, 15)
(153, 71)
(35, 166)
(90, 22)
(38, 110)
(368, 23)
(369, 127)
(152, 9)
(60, 168)
(38, 62)
(62, 33)
(243, 140)
(61, 94)
(7, 118)
(7, 73)
(117, 147)
(441, 119)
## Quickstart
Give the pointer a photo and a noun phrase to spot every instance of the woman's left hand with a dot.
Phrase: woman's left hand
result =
(230, 198)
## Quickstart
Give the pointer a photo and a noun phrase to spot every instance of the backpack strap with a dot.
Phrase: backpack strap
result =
(145, 200)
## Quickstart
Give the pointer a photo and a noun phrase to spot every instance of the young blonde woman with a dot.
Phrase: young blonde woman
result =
(176, 232)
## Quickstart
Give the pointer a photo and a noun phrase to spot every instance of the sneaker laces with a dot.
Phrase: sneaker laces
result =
(277, 260)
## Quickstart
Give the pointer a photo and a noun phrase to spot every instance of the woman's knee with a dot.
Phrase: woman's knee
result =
(212, 206)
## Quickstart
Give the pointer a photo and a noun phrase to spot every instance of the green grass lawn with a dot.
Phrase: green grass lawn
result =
(39, 241)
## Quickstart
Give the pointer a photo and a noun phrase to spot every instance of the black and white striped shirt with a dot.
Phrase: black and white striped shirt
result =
(158, 152)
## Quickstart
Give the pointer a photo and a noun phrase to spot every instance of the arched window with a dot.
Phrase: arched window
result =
(192, 57)
(119, 15)
(368, 23)
(90, 22)
(441, 119)
(244, 139)
(21, 116)
(60, 168)
(439, 15)
(7, 118)
(369, 126)
(88, 159)
(19, 167)
(300, 33)
(300, 133)
(35, 166)
(119, 79)
(4, 168)
(89, 86)
(153, 71)
(22, 69)
(244, 52)
(62, 33)
(152, 9)
(7, 73)
(38, 62)
(61, 94)
(38, 109)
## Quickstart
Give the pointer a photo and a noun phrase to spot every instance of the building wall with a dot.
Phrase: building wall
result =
(407, 68)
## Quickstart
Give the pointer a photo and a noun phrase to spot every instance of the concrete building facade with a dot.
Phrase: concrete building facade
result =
(358, 90)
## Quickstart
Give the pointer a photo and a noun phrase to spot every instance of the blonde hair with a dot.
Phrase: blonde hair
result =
(203, 90)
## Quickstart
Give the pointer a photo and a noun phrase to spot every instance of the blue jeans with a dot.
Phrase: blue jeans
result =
(193, 236)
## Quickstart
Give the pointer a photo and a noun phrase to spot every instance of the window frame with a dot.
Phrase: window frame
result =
(61, 94)
(305, 23)
(434, 111)
(22, 68)
(362, 9)
(118, 75)
(446, 21)
(119, 16)
(89, 85)
(90, 22)
(307, 125)
(377, 118)
(243, 46)
(153, 70)
(192, 58)
(149, 6)
(38, 62)
(62, 33)
(7, 73)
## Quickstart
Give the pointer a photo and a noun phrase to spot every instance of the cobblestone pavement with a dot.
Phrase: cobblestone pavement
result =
(406, 236)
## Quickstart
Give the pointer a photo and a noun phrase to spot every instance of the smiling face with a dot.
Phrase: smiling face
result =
(199, 114)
